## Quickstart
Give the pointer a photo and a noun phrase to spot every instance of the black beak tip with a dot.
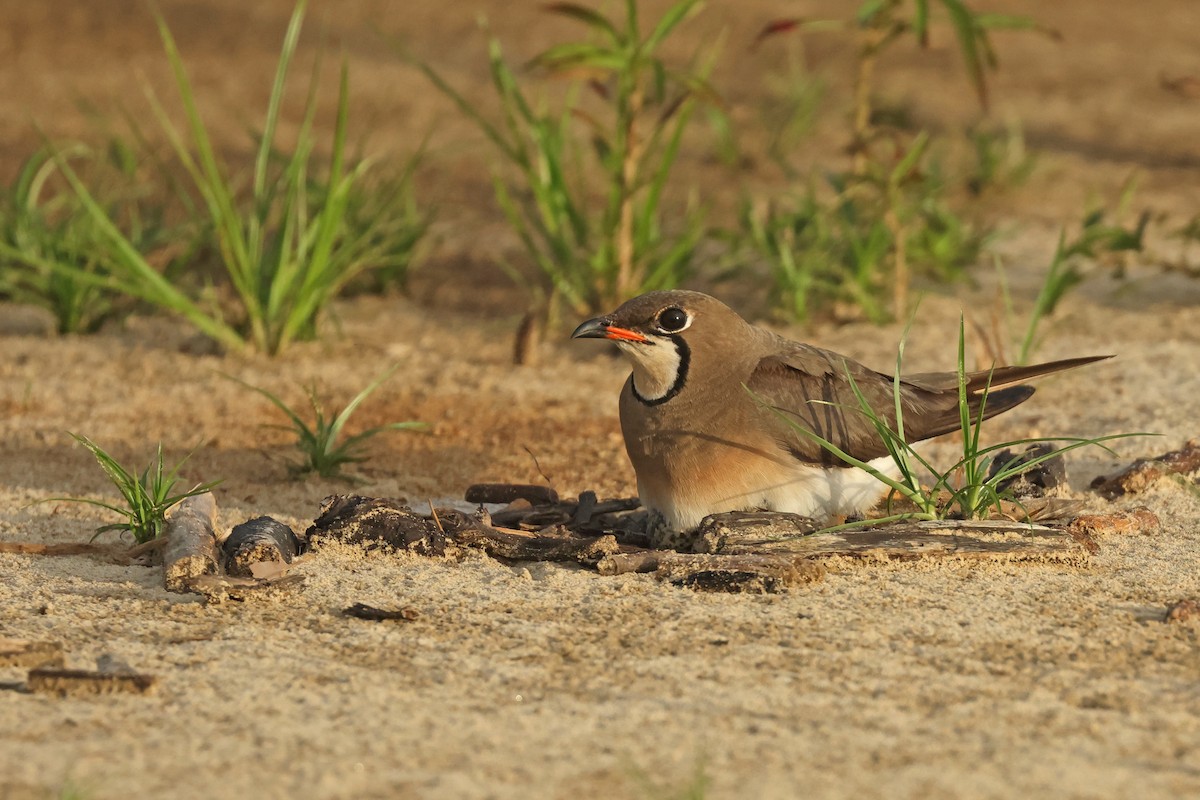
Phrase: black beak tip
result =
(592, 329)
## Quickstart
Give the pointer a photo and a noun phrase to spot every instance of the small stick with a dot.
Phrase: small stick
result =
(508, 492)
(191, 549)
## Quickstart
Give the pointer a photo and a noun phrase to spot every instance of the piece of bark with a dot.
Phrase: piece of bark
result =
(81, 682)
(584, 510)
(1183, 611)
(537, 517)
(27, 653)
(746, 531)
(1137, 520)
(508, 492)
(785, 534)
(258, 541)
(522, 546)
(364, 611)
(355, 519)
(1144, 472)
(191, 549)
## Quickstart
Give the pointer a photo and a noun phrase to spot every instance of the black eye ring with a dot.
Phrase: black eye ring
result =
(673, 320)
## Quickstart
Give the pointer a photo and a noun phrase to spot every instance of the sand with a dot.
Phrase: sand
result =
(928, 679)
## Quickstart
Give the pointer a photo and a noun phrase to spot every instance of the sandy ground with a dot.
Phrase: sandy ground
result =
(917, 680)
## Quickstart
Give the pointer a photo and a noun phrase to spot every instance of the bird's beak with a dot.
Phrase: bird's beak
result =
(601, 328)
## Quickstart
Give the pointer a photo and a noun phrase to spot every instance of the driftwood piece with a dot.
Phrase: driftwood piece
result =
(364, 611)
(191, 549)
(1143, 473)
(27, 653)
(82, 682)
(261, 540)
(447, 532)
(977, 539)
(508, 492)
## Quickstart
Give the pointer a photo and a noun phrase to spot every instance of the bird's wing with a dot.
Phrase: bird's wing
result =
(812, 388)
(809, 388)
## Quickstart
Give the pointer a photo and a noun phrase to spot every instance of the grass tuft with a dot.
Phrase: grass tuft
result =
(320, 443)
(969, 488)
(148, 496)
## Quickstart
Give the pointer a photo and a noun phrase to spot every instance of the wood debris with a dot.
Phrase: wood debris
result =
(191, 548)
(508, 492)
(256, 543)
(1143, 473)
(446, 532)
(1183, 611)
(1138, 520)
(81, 682)
(364, 611)
(28, 653)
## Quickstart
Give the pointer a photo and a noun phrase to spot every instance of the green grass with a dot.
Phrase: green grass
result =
(53, 253)
(583, 186)
(901, 225)
(147, 496)
(323, 450)
(840, 245)
(1097, 238)
(969, 488)
(292, 245)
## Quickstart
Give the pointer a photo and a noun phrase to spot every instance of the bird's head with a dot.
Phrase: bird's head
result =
(660, 333)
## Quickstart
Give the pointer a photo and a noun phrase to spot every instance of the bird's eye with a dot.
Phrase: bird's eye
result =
(673, 320)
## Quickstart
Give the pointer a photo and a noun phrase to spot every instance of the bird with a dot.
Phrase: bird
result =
(712, 409)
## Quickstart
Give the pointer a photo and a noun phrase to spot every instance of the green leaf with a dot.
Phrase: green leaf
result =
(585, 15)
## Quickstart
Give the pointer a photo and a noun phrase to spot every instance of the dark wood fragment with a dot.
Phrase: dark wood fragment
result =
(355, 519)
(364, 611)
(508, 492)
(1144, 472)
(523, 546)
(27, 653)
(1040, 480)
(256, 541)
(585, 510)
(80, 682)
(730, 582)
(191, 548)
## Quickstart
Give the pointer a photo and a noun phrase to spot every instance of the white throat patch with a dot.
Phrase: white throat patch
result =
(655, 368)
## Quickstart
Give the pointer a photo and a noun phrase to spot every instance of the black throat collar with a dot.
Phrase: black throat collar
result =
(681, 374)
